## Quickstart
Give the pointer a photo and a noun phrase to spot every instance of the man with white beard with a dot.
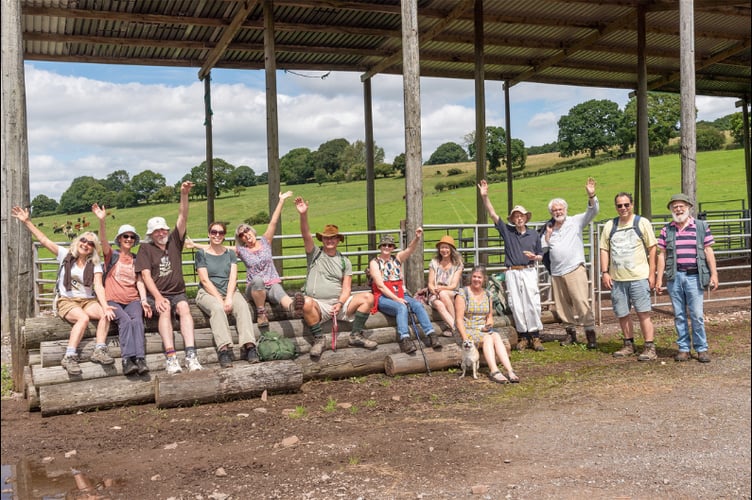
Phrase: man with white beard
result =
(562, 239)
(688, 260)
(160, 262)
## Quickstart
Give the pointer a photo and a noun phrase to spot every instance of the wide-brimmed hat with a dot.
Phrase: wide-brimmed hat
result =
(679, 197)
(522, 210)
(448, 240)
(156, 223)
(330, 231)
(386, 239)
(127, 228)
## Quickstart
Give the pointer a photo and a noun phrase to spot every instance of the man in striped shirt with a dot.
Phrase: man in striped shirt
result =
(686, 275)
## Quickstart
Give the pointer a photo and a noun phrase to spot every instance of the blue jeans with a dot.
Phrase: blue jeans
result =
(399, 311)
(686, 293)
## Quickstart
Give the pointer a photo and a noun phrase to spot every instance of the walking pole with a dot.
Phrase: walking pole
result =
(335, 330)
(420, 342)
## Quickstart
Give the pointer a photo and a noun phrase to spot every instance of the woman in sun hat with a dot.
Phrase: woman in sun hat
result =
(444, 280)
(125, 292)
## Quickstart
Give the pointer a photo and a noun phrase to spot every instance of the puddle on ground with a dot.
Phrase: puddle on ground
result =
(34, 480)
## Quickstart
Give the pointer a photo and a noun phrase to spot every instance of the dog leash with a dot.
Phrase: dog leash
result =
(335, 330)
(420, 342)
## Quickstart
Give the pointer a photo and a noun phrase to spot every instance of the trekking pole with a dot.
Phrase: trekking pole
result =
(420, 342)
(335, 330)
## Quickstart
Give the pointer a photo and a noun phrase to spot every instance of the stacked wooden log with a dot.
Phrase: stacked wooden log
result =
(52, 390)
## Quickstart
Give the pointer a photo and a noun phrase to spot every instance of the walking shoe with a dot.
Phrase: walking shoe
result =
(141, 365)
(625, 351)
(406, 345)
(251, 355)
(318, 346)
(522, 343)
(591, 343)
(703, 357)
(682, 356)
(70, 363)
(101, 356)
(225, 358)
(191, 362)
(129, 366)
(172, 365)
(538, 345)
(358, 340)
(433, 341)
(648, 353)
(571, 337)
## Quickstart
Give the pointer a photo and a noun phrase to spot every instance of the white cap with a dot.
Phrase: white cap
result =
(156, 223)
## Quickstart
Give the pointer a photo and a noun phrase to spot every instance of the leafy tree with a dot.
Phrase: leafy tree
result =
(262, 178)
(167, 194)
(82, 193)
(709, 138)
(449, 152)
(736, 126)
(589, 127)
(551, 147)
(126, 198)
(320, 176)
(496, 148)
(244, 176)
(383, 170)
(328, 156)
(400, 163)
(223, 177)
(519, 154)
(664, 111)
(146, 184)
(355, 154)
(116, 181)
(43, 205)
(295, 166)
(356, 172)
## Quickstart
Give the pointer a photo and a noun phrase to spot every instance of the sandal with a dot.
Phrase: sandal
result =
(513, 378)
(498, 377)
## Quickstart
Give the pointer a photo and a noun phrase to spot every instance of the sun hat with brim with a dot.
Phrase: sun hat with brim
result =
(386, 239)
(522, 210)
(156, 223)
(330, 231)
(446, 240)
(127, 228)
(680, 197)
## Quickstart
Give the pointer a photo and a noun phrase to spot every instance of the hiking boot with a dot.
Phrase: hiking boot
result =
(522, 343)
(703, 357)
(591, 343)
(298, 301)
(406, 345)
(191, 362)
(318, 346)
(625, 351)
(225, 359)
(682, 356)
(433, 341)
(70, 363)
(538, 345)
(129, 366)
(251, 355)
(358, 340)
(172, 365)
(101, 356)
(648, 353)
(141, 366)
(571, 337)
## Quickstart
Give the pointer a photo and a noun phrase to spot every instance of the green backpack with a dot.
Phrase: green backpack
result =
(273, 346)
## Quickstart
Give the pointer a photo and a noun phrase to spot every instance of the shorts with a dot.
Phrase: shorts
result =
(325, 306)
(174, 301)
(274, 293)
(66, 304)
(628, 294)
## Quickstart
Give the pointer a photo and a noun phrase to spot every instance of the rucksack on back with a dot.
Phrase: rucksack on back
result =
(495, 289)
(272, 346)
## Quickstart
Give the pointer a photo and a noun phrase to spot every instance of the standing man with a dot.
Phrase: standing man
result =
(522, 251)
(328, 286)
(628, 248)
(562, 238)
(160, 262)
(689, 262)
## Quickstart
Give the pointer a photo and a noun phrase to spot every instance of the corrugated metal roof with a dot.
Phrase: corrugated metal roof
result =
(574, 42)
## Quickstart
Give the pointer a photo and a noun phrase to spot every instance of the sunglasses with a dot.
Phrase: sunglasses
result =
(388, 245)
(89, 243)
(214, 232)
(623, 205)
(128, 237)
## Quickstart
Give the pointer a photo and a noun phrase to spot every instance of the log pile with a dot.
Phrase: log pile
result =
(50, 389)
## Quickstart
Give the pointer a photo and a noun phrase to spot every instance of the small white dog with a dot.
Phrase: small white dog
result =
(470, 358)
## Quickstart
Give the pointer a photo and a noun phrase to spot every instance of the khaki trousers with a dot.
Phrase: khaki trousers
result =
(571, 293)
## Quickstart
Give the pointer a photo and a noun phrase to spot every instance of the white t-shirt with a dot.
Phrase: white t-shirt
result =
(77, 288)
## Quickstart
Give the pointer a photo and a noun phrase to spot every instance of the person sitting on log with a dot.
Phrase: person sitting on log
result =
(125, 292)
(160, 262)
(218, 296)
(328, 286)
(385, 271)
(444, 280)
(475, 321)
(80, 293)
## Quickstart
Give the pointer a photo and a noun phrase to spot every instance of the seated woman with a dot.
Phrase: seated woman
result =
(389, 293)
(217, 269)
(475, 321)
(444, 279)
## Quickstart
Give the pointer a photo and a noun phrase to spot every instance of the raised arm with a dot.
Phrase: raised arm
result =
(22, 214)
(272, 227)
(180, 225)
(407, 252)
(101, 214)
(305, 230)
(483, 187)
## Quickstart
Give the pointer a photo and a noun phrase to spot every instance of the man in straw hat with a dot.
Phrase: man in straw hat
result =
(328, 286)
(522, 252)
(688, 260)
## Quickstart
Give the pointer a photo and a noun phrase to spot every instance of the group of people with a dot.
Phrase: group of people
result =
(122, 287)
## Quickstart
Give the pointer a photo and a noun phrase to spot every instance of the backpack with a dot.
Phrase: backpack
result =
(495, 290)
(108, 266)
(273, 346)
(546, 254)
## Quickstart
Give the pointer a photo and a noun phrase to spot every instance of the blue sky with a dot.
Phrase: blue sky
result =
(93, 119)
